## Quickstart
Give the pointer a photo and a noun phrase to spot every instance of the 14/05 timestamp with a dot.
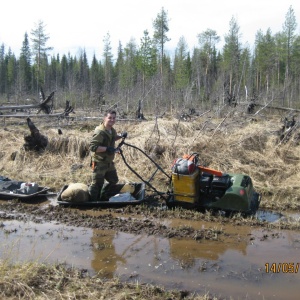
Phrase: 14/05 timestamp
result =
(282, 267)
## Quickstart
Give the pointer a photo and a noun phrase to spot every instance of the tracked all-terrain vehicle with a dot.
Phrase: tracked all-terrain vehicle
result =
(191, 186)
(194, 186)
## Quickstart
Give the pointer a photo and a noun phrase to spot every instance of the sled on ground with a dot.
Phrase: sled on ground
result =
(120, 195)
(14, 189)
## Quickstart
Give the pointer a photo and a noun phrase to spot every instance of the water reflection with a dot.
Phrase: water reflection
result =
(207, 250)
(233, 266)
(105, 258)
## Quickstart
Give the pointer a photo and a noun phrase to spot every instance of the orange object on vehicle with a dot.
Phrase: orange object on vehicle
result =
(210, 171)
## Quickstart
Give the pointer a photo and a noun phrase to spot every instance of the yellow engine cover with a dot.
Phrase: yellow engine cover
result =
(185, 187)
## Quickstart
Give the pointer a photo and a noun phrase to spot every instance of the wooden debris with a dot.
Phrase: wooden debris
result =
(35, 141)
(44, 105)
(139, 114)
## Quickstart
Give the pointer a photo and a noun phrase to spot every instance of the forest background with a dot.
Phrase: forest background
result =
(144, 75)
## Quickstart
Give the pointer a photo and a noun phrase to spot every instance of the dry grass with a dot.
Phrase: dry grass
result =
(233, 145)
(40, 281)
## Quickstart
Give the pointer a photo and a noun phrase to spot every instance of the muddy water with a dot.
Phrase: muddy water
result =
(234, 266)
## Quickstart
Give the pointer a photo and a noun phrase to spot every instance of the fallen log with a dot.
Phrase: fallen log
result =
(62, 114)
(280, 108)
(13, 107)
(42, 106)
(68, 109)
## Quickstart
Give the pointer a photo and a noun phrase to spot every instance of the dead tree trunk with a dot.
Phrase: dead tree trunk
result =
(35, 141)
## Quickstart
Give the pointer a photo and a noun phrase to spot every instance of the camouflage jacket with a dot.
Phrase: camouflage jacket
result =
(104, 138)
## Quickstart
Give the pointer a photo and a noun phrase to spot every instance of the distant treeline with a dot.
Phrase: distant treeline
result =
(143, 73)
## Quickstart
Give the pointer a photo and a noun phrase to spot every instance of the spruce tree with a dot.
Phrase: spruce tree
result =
(231, 60)
(25, 76)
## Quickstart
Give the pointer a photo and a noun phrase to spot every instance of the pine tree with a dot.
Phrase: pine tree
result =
(208, 40)
(96, 82)
(119, 66)
(160, 37)
(289, 28)
(108, 64)
(54, 73)
(3, 72)
(129, 70)
(83, 80)
(39, 50)
(232, 59)
(11, 74)
(181, 68)
(147, 59)
(63, 82)
(295, 63)
(264, 61)
(161, 29)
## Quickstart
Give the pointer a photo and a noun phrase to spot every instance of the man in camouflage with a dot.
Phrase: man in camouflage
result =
(102, 147)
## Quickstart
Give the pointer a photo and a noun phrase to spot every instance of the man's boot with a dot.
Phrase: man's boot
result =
(106, 192)
(94, 192)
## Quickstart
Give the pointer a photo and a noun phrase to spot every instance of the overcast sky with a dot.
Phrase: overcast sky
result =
(77, 25)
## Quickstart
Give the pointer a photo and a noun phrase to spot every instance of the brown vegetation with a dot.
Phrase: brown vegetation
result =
(39, 281)
(231, 144)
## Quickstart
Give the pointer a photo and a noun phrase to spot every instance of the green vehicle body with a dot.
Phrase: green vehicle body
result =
(240, 196)
(233, 192)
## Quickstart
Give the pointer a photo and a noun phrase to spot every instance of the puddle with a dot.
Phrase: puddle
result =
(269, 216)
(234, 266)
(273, 217)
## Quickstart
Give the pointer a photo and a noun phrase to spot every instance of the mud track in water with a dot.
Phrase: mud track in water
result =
(163, 247)
(149, 219)
(134, 220)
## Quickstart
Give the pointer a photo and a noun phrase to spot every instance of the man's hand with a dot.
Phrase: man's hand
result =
(124, 135)
(111, 150)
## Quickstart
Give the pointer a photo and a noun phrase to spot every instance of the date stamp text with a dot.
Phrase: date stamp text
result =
(282, 267)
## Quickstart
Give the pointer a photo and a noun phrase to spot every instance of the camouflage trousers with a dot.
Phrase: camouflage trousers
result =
(102, 171)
